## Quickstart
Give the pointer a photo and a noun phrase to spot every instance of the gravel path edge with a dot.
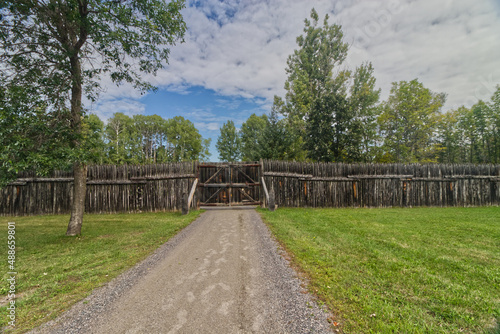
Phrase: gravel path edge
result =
(289, 289)
(85, 311)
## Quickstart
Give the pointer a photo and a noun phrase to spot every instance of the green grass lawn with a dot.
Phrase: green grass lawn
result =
(418, 270)
(55, 271)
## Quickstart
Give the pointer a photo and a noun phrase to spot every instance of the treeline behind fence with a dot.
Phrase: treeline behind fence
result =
(160, 187)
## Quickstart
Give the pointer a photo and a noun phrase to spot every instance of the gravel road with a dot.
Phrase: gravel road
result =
(222, 274)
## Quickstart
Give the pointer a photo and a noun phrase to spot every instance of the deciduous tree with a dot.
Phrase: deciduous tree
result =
(252, 132)
(184, 142)
(30, 138)
(495, 125)
(449, 138)
(364, 111)
(408, 121)
(311, 67)
(61, 47)
(312, 75)
(279, 139)
(122, 140)
(229, 142)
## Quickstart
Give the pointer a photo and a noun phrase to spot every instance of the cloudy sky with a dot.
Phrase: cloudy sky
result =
(234, 56)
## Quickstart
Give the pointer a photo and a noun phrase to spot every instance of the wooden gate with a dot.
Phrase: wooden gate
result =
(229, 184)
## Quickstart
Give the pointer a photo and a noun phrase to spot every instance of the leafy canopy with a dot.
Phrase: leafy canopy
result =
(54, 51)
(311, 67)
(41, 40)
(229, 142)
(252, 137)
(408, 121)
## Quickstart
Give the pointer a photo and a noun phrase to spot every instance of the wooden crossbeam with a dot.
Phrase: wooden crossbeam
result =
(246, 195)
(228, 185)
(208, 200)
(245, 174)
(216, 173)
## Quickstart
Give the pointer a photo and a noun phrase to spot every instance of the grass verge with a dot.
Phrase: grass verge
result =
(55, 271)
(418, 270)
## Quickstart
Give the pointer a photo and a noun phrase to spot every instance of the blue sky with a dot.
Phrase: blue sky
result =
(234, 56)
(205, 108)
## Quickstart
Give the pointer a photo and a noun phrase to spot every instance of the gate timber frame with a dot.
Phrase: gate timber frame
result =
(229, 183)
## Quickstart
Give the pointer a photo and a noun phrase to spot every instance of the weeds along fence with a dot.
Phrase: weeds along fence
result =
(109, 189)
(160, 187)
(382, 185)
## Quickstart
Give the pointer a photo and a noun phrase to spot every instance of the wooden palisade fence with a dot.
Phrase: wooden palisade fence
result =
(109, 189)
(160, 187)
(382, 185)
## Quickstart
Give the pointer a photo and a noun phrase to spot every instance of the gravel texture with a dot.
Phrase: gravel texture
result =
(222, 274)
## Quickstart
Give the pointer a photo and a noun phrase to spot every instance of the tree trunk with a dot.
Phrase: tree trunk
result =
(78, 205)
(79, 167)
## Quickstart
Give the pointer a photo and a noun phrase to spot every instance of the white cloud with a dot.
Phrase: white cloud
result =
(449, 46)
(208, 126)
(240, 48)
(106, 108)
(211, 122)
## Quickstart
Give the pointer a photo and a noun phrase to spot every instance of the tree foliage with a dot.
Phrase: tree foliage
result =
(312, 76)
(322, 142)
(151, 139)
(59, 49)
(252, 137)
(363, 111)
(278, 139)
(29, 136)
(55, 45)
(408, 121)
(311, 67)
(184, 141)
(471, 135)
(229, 142)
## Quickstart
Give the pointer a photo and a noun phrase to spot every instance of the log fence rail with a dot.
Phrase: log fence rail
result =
(292, 184)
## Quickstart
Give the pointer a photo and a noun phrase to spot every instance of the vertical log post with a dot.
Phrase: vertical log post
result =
(266, 194)
(185, 206)
(262, 195)
(191, 193)
(272, 203)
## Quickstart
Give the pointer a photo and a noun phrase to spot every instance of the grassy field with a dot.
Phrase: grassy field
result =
(55, 271)
(419, 270)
